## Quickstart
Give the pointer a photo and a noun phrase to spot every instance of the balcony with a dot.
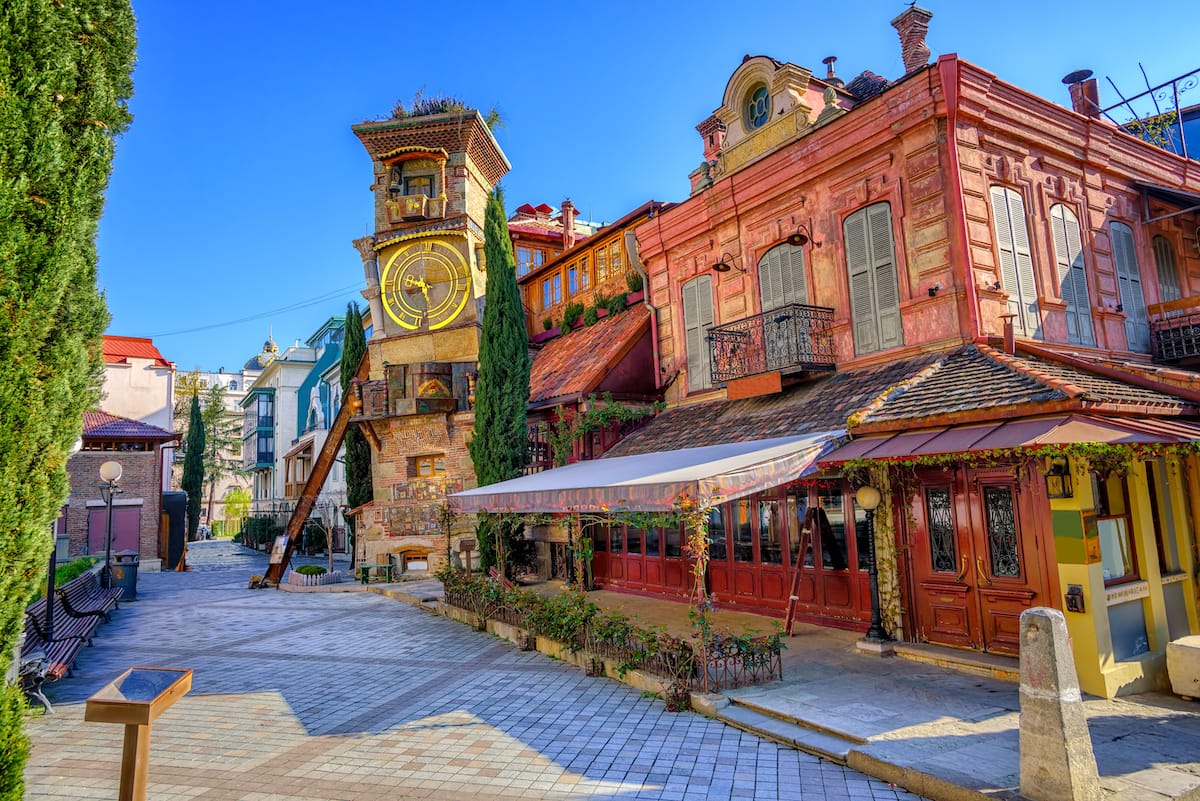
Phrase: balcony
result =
(422, 388)
(380, 401)
(412, 208)
(1175, 331)
(790, 339)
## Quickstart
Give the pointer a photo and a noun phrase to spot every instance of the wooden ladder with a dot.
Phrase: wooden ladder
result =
(797, 572)
(316, 478)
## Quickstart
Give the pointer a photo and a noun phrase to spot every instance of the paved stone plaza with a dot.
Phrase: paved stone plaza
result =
(355, 696)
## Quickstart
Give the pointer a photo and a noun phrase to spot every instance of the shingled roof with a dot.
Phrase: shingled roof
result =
(816, 406)
(575, 364)
(977, 378)
(102, 425)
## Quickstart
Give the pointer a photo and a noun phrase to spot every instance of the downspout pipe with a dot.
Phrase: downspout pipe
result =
(960, 254)
(635, 259)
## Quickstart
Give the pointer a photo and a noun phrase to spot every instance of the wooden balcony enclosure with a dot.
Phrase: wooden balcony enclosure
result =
(1175, 331)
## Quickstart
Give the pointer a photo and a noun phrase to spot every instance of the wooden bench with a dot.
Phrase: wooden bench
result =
(84, 597)
(385, 570)
(48, 656)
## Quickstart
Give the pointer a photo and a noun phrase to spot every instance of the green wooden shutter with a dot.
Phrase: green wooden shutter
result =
(862, 293)
(1068, 257)
(1168, 274)
(1016, 260)
(883, 270)
(1129, 279)
(697, 319)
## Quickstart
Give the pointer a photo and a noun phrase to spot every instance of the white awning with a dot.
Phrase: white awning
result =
(653, 482)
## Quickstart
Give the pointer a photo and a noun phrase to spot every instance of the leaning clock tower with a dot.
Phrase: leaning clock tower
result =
(424, 286)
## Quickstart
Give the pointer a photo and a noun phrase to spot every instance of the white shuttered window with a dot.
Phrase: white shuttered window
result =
(1072, 281)
(697, 319)
(874, 287)
(1129, 279)
(1016, 261)
(781, 277)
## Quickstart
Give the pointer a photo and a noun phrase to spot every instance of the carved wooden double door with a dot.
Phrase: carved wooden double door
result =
(975, 558)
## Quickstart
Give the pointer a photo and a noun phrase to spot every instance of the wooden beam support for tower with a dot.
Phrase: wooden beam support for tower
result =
(316, 478)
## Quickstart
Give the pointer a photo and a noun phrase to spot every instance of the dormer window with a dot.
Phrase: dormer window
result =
(758, 107)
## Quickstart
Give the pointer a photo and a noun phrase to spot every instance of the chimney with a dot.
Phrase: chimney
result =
(1010, 338)
(568, 223)
(830, 78)
(712, 131)
(912, 25)
(1085, 94)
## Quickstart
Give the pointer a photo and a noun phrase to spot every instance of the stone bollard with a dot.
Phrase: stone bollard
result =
(1057, 762)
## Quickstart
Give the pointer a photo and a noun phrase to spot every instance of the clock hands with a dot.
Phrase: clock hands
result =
(412, 283)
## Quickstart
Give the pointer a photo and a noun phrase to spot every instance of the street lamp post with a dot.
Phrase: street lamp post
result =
(110, 474)
(868, 498)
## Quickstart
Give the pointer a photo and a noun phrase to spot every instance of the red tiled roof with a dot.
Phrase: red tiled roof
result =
(575, 364)
(102, 425)
(118, 350)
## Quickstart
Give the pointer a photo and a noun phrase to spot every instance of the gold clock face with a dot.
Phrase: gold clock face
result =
(425, 285)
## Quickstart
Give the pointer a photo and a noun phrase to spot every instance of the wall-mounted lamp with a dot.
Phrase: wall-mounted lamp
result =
(1058, 478)
(726, 264)
(802, 237)
(936, 288)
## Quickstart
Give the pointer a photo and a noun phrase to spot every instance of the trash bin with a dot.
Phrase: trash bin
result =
(124, 573)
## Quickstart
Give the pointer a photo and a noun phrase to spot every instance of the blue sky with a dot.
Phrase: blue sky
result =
(239, 187)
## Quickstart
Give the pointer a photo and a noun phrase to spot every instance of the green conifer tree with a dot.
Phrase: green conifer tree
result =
(193, 467)
(501, 435)
(358, 451)
(65, 68)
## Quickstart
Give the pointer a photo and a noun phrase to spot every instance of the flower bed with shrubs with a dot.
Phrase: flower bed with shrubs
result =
(314, 576)
(717, 660)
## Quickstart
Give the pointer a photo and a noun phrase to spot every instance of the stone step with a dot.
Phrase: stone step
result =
(792, 735)
(805, 723)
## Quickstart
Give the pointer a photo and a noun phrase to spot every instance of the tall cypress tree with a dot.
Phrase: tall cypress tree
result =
(193, 466)
(358, 452)
(65, 68)
(502, 393)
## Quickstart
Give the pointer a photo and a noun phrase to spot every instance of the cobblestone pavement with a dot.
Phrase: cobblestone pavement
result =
(353, 696)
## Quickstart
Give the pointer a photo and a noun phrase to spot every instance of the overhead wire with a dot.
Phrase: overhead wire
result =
(300, 304)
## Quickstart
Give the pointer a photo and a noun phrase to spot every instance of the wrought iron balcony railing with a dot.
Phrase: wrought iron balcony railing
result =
(789, 339)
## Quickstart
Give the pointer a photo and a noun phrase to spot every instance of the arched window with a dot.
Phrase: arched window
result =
(781, 277)
(1016, 261)
(233, 385)
(697, 319)
(1129, 280)
(874, 287)
(1072, 281)
(758, 107)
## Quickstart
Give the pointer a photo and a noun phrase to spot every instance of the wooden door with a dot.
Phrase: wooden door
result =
(973, 558)
(1006, 557)
(940, 564)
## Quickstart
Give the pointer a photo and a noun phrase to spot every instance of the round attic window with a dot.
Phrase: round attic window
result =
(758, 107)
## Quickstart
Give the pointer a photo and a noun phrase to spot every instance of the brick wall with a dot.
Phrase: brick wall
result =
(140, 480)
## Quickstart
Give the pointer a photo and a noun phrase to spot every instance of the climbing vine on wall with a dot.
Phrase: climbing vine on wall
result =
(599, 414)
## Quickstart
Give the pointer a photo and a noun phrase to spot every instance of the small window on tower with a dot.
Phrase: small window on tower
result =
(419, 185)
(429, 466)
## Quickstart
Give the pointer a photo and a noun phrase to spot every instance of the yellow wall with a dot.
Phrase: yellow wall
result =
(1091, 635)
